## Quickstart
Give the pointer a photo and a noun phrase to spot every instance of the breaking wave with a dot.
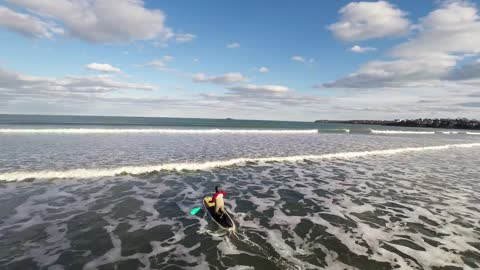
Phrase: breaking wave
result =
(400, 132)
(449, 132)
(135, 170)
(340, 130)
(156, 131)
(473, 133)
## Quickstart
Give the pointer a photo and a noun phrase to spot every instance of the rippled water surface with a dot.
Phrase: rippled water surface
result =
(365, 206)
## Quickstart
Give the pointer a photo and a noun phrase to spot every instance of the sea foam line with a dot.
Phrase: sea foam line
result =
(346, 130)
(473, 133)
(375, 131)
(155, 131)
(134, 170)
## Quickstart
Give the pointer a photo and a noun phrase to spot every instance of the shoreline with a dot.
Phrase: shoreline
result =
(459, 123)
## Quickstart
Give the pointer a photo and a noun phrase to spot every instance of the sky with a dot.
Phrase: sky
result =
(279, 60)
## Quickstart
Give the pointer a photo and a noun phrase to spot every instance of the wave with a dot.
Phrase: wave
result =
(400, 132)
(472, 133)
(155, 131)
(334, 130)
(136, 170)
(449, 132)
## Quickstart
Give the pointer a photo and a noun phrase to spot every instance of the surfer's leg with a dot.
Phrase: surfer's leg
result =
(217, 209)
(221, 211)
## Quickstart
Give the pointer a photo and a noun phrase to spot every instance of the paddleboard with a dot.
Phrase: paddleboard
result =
(225, 221)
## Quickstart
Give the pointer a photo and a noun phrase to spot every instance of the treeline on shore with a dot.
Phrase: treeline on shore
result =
(458, 123)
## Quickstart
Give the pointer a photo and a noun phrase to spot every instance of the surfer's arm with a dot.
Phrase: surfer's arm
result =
(214, 197)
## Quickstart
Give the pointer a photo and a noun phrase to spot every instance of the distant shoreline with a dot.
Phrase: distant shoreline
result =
(459, 123)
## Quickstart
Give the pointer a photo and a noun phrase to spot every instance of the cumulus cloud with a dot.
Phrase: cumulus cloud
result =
(107, 68)
(298, 59)
(360, 49)
(81, 93)
(27, 25)
(398, 73)
(266, 98)
(100, 21)
(263, 70)
(227, 78)
(18, 85)
(445, 36)
(261, 88)
(160, 64)
(269, 101)
(233, 45)
(453, 29)
(367, 20)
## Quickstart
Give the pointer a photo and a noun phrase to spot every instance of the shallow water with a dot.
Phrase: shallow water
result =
(412, 208)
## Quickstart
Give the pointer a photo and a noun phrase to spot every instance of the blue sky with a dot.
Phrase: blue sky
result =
(285, 60)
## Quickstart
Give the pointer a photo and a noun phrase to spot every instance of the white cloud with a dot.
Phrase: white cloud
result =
(263, 70)
(261, 88)
(103, 68)
(105, 21)
(168, 58)
(359, 49)
(227, 78)
(452, 29)
(445, 36)
(156, 63)
(184, 38)
(160, 64)
(79, 93)
(233, 45)
(103, 83)
(366, 20)
(16, 85)
(298, 59)
(27, 25)
(398, 73)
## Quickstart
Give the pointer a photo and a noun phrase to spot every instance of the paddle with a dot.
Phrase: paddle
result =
(195, 210)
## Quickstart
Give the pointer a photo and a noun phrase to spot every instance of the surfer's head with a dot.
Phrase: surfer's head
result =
(216, 188)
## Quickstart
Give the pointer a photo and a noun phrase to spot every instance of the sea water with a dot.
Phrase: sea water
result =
(116, 192)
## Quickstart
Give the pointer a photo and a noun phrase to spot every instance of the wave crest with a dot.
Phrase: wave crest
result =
(375, 131)
(135, 170)
(155, 131)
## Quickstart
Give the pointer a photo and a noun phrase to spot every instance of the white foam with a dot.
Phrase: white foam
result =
(346, 130)
(473, 133)
(155, 131)
(240, 267)
(449, 132)
(376, 131)
(105, 172)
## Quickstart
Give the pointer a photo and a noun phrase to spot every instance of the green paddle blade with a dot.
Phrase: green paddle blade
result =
(195, 210)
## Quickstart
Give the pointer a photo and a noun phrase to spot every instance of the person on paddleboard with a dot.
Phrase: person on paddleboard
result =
(218, 200)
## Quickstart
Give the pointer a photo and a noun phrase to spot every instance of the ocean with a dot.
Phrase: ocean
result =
(87, 192)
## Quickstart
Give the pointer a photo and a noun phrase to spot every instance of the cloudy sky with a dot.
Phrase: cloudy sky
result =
(284, 60)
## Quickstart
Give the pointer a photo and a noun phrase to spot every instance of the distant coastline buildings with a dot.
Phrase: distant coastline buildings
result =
(458, 123)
